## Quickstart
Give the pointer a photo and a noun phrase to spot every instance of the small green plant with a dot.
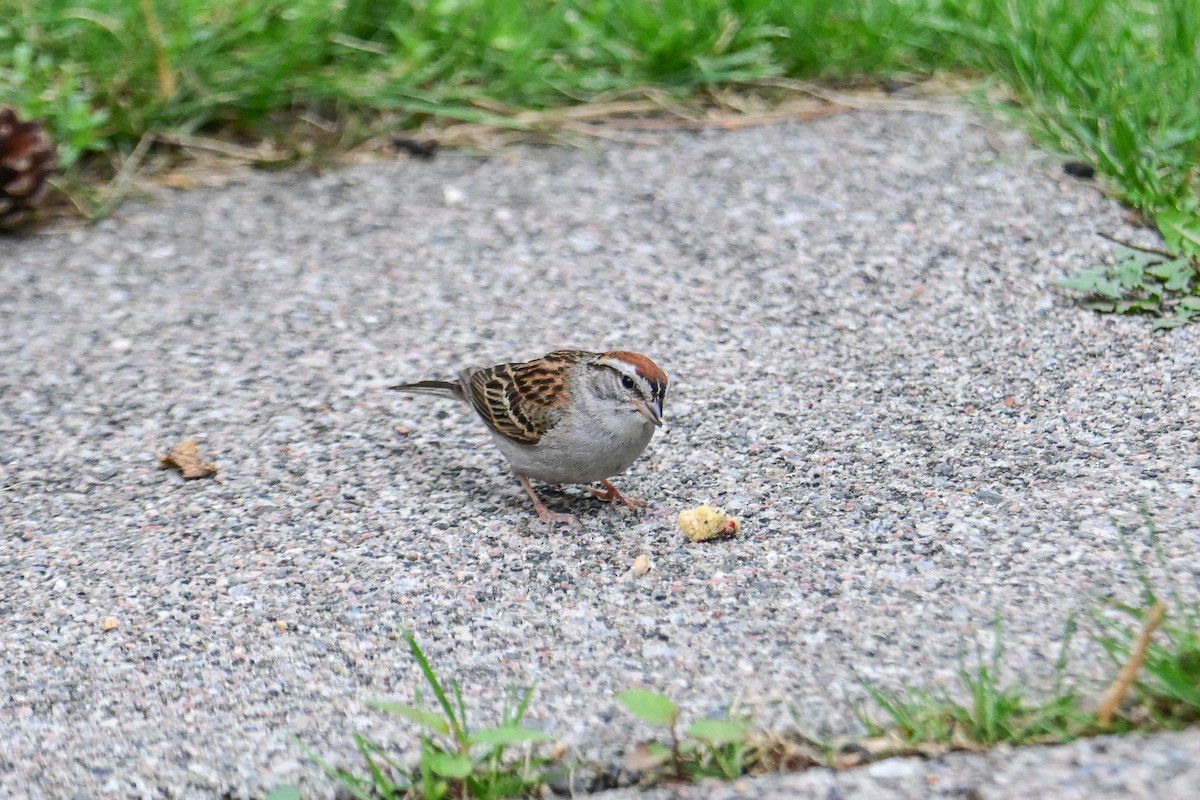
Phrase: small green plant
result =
(1144, 282)
(993, 713)
(715, 748)
(455, 761)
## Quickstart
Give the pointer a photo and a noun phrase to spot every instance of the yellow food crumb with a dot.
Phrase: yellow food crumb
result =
(705, 522)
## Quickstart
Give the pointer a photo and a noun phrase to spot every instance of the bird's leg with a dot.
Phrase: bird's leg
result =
(610, 493)
(545, 514)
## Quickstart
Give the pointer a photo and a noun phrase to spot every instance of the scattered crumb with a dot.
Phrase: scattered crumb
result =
(109, 623)
(705, 522)
(186, 458)
(641, 565)
(281, 626)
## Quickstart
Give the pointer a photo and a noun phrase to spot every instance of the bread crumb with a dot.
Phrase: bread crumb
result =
(706, 522)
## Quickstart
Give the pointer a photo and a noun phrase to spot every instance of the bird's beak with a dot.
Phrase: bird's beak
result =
(650, 410)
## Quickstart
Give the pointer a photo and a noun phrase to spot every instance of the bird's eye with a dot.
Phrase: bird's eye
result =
(627, 382)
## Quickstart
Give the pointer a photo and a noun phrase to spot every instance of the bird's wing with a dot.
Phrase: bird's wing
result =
(520, 401)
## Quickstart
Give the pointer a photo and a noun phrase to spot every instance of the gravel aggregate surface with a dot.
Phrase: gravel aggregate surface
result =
(871, 368)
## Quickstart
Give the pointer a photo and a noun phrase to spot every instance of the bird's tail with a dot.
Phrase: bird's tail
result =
(435, 388)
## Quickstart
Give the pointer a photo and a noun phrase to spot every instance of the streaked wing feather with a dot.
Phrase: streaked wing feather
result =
(520, 401)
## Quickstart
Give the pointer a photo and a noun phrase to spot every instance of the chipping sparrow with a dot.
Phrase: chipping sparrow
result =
(567, 417)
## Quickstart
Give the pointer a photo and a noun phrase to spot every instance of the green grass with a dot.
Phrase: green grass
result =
(455, 760)
(991, 713)
(1112, 81)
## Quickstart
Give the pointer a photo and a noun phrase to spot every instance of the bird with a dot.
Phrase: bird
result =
(571, 416)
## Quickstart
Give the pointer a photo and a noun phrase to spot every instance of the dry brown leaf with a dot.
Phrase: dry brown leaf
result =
(186, 458)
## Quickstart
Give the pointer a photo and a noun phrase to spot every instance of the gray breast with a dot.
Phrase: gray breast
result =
(568, 453)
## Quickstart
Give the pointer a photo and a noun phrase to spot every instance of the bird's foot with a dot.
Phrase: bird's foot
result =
(554, 517)
(544, 514)
(610, 493)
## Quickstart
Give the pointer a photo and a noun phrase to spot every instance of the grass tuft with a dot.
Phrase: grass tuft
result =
(1155, 652)
(455, 761)
(993, 712)
(1166, 687)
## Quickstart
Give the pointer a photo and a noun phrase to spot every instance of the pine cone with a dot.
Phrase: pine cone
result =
(27, 157)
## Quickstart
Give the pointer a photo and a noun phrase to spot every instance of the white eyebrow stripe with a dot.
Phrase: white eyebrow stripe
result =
(629, 370)
(623, 367)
